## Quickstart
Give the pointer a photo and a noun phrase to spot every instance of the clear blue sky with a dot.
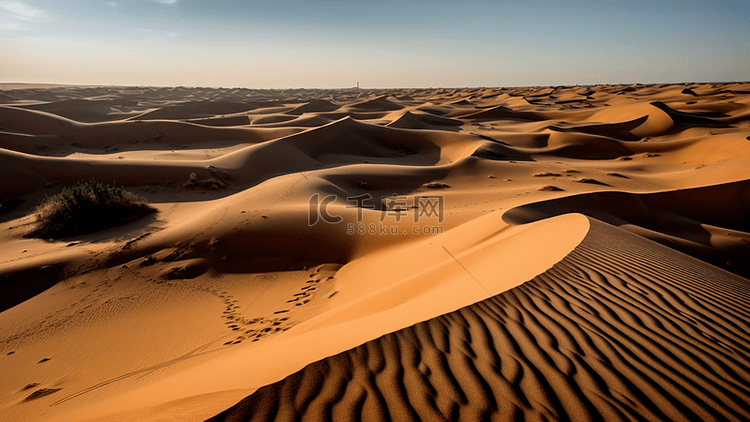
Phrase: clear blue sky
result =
(380, 43)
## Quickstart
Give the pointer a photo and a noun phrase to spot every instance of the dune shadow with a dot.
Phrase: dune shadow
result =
(665, 216)
(20, 286)
(122, 233)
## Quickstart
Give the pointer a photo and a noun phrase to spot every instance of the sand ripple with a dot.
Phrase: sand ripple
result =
(621, 329)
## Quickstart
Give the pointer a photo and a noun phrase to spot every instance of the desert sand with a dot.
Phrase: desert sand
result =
(542, 253)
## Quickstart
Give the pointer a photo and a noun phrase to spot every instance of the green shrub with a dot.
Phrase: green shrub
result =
(87, 207)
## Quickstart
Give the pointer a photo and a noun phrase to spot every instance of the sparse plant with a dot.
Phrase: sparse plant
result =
(436, 185)
(211, 183)
(223, 174)
(86, 207)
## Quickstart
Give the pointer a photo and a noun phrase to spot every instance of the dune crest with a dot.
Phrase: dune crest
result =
(620, 329)
(461, 252)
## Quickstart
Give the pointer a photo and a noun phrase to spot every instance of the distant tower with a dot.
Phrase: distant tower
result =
(357, 84)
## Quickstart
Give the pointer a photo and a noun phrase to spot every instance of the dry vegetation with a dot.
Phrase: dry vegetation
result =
(87, 207)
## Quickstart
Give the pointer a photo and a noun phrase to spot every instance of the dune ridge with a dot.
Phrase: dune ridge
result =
(295, 225)
(620, 329)
(703, 222)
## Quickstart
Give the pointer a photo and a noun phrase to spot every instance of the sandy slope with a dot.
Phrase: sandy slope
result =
(619, 329)
(182, 314)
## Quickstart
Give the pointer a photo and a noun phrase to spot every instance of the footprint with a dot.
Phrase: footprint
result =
(30, 386)
(44, 360)
(42, 392)
(281, 311)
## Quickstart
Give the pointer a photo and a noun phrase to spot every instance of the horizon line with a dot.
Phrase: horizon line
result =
(360, 88)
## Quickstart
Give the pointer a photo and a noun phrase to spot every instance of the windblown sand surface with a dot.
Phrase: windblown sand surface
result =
(569, 253)
(620, 329)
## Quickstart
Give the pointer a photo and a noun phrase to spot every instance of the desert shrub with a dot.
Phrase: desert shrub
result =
(86, 207)
(436, 185)
(194, 182)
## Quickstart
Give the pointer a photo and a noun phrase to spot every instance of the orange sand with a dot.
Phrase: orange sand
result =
(540, 290)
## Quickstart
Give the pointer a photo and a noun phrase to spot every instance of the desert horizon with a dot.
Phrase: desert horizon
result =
(355, 86)
(401, 210)
(518, 253)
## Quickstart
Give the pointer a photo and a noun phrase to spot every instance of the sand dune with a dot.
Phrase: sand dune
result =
(705, 222)
(198, 109)
(315, 106)
(620, 329)
(88, 110)
(459, 254)
(379, 103)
